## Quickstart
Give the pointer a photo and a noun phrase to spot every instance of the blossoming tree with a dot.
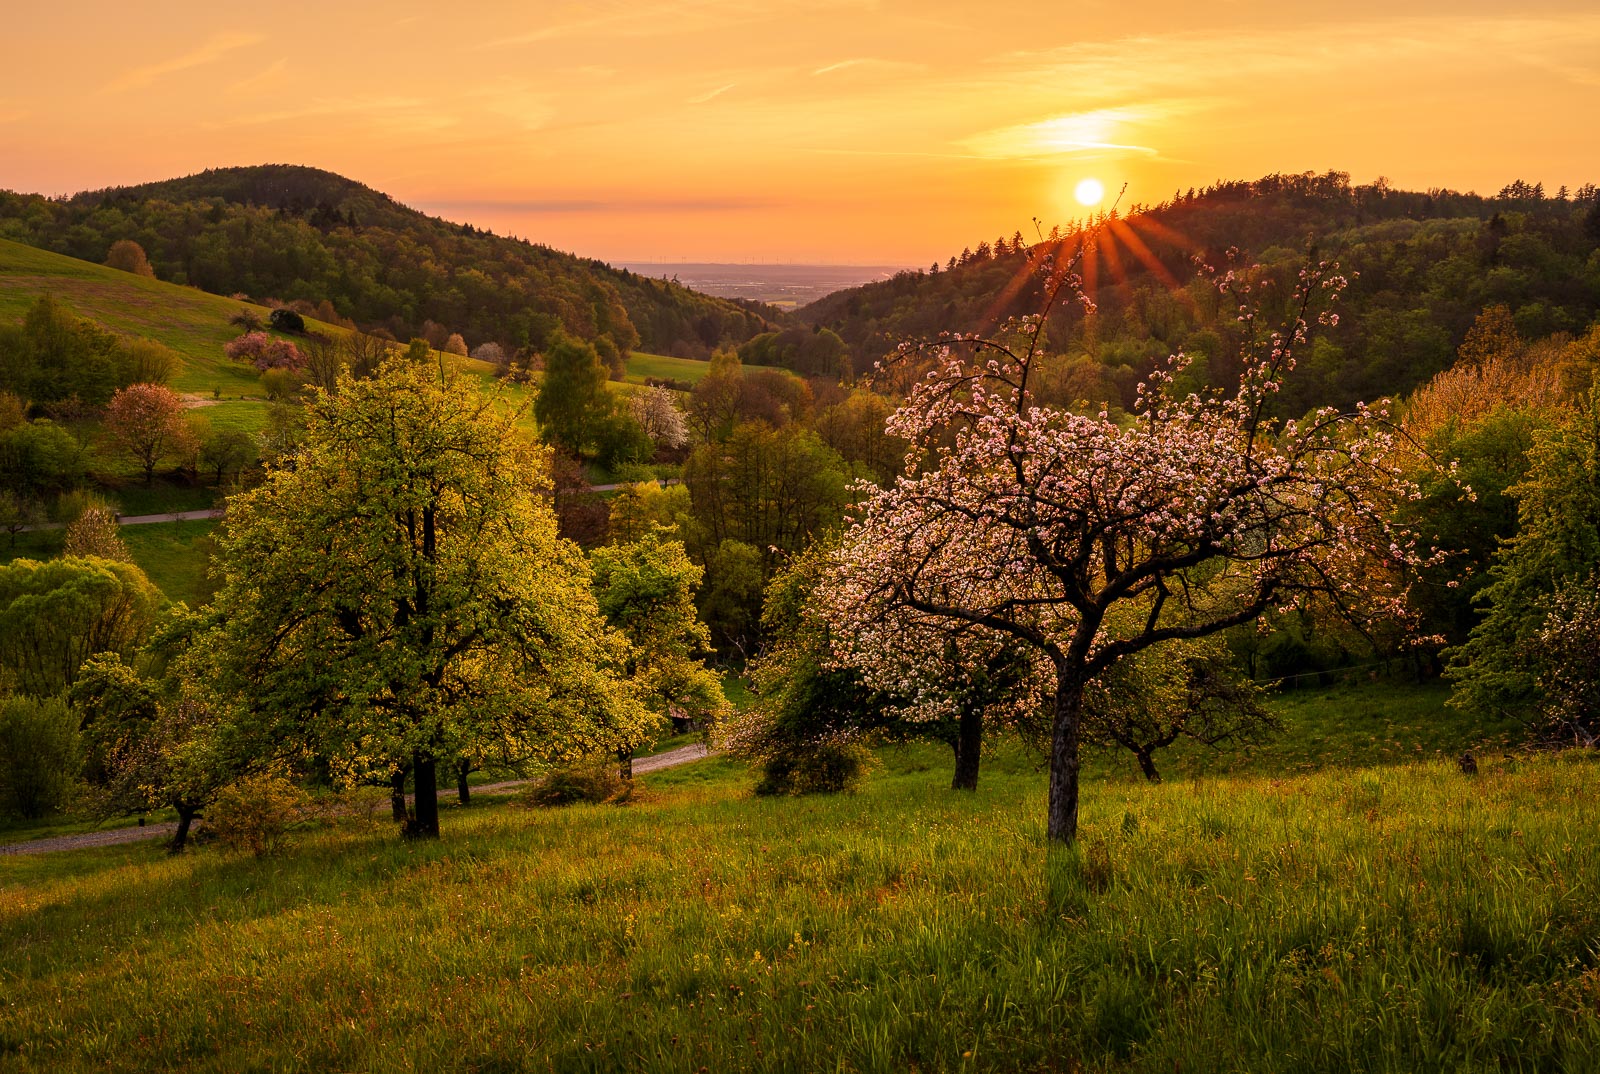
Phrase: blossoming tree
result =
(1201, 513)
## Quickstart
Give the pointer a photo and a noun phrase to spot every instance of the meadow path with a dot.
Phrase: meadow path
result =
(135, 834)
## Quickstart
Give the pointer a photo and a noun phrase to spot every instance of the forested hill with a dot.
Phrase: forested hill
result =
(1422, 267)
(298, 234)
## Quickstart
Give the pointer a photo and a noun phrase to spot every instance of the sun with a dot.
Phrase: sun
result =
(1089, 192)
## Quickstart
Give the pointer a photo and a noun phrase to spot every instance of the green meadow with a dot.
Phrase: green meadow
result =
(1398, 916)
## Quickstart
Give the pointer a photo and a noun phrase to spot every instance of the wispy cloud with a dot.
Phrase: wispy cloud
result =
(866, 63)
(635, 19)
(1074, 133)
(624, 204)
(263, 78)
(718, 92)
(215, 48)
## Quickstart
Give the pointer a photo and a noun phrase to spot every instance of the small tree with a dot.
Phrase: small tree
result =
(147, 422)
(152, 744)
(226, 451)
(128, 256)
(646, 590)
(95, 533)
(656, 411)
(1148, 701)
(573, 400)
(455, 344)
(1201, 515)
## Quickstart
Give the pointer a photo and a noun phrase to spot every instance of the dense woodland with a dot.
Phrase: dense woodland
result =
(300, 235)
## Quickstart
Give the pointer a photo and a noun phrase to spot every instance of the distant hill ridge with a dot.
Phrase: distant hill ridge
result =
(1423, 266)
(296, 233)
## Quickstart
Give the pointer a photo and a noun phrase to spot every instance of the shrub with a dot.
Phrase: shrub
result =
(41, 755)
(287, 320)
(821, 768)
(256, 813)
(593, 781)
(248, 320)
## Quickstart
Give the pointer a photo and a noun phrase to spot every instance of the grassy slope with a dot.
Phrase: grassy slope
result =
(1402, 917)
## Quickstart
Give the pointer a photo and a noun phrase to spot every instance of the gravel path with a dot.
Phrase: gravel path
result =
(118, 836)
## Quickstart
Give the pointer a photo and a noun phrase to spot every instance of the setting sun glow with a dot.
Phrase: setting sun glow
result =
(1089, 192)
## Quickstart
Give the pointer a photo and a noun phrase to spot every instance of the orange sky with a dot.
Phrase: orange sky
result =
(893, 131)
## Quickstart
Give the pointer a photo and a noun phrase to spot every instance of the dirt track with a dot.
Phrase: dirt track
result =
(116, 836)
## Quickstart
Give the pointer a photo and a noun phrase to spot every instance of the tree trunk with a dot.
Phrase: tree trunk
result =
(397, 798)
(463, 767)
(1148, 766)
(426, 784)
(625, 764)
(1064, 759)
(969, 747)
(180, 838)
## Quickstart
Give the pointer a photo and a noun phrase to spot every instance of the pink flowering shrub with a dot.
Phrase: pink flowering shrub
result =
(264, 352)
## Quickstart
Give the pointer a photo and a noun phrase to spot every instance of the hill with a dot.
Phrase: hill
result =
(1422, 266)
(301, 235)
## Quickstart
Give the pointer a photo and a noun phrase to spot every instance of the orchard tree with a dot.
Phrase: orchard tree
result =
(1201, 514)
(656, 411)
(395, 594)
(147, 422)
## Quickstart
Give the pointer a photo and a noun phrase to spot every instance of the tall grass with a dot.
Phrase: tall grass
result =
(1408, 918)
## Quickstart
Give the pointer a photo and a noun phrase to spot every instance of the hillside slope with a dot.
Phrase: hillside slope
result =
(299, 234)
(1422, 266)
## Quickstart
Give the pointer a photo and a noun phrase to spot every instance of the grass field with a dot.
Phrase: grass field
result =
(1403, 917)
(173, 554)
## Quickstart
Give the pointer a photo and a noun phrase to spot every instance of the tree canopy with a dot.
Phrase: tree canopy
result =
(395, 593)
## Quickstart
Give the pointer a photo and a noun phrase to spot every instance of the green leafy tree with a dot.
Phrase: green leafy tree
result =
(56, 614)
(572, 401)
(1554, 555)
(154, 744)
(40, 755)
(399, 595)
(40, 457)
(646, 590)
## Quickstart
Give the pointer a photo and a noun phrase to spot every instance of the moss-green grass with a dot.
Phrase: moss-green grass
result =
(1404, 918)
(175, 556)
(191, 322)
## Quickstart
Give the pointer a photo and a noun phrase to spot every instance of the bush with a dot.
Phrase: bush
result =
(287, 320)
(821, 768)
(592, 781)
(256, 813)
(40, 755)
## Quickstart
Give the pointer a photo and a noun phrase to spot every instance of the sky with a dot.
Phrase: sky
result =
(831, 131)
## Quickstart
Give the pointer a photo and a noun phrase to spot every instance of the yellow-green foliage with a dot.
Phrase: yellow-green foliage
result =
(1404, 919)
(255, 814)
